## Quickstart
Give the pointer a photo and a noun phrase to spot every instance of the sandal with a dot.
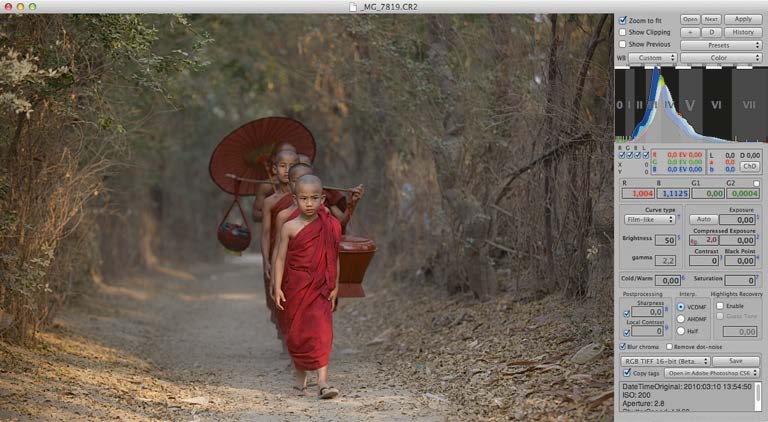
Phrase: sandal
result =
(302, 390)
(328, 392)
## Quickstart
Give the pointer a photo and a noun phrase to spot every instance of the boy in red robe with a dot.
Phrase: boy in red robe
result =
(306, 284)
(275, 203)
(264, 190)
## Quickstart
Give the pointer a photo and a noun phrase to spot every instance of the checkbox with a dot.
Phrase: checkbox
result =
(719, 305)
(622, 346)
(719, 315)
(646, 155)
(622, 32)
(627, 371)
(756, 183)
(626, 314)
(622, 20)
(626, 333)
(621, 155)
(622, 44)
(669, 346)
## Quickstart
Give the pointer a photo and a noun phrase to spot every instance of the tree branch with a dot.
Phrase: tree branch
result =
(533, 163)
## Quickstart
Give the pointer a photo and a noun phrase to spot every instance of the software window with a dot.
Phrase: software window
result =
(560, 210)
(690, 90)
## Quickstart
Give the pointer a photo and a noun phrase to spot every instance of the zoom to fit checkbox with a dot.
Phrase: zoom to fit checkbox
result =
(622, 20)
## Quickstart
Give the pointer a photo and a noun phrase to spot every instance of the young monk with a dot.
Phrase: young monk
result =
(275, 203)
(306, 284)
(334, 200)
(265, 189)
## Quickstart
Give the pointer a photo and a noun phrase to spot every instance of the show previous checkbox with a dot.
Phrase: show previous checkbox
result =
(622, 44)
(622, 32)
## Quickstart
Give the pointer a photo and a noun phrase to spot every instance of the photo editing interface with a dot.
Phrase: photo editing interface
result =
(691, 108)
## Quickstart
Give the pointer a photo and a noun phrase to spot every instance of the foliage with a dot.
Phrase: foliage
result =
(63, 80)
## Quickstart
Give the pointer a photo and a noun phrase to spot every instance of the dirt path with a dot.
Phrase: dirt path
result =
(190, 346)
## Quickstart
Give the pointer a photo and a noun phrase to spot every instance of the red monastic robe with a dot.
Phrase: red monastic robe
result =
(285, 202)
(338, 198)
(281, 204)
(308, 279)
(335, 197)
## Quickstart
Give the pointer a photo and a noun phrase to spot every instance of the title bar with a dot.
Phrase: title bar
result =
(376, 7)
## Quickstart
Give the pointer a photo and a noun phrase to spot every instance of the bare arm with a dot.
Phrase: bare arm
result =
(335, 291)
(282, 249)
(258, 202)
(279, 222)
(344, 216)
(339, 214)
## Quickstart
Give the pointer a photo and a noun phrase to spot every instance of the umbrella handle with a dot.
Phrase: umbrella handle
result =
(270, 182)
(338, 189)
(243, 179)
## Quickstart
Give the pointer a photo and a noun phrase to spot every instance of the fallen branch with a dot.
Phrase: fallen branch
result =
(510, 250)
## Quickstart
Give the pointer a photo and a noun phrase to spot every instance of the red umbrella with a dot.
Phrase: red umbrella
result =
(245, 153)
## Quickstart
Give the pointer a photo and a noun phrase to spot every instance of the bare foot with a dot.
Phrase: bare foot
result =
(300, 380)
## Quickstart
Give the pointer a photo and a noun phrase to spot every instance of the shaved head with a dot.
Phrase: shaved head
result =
(309, 182)
(304, 159)
(300, 169)
(286, 155)
(283, 146)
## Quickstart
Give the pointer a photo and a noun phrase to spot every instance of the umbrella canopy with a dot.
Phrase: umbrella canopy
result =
(246, 152)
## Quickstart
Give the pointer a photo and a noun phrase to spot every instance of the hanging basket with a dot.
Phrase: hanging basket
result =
(234, 237)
